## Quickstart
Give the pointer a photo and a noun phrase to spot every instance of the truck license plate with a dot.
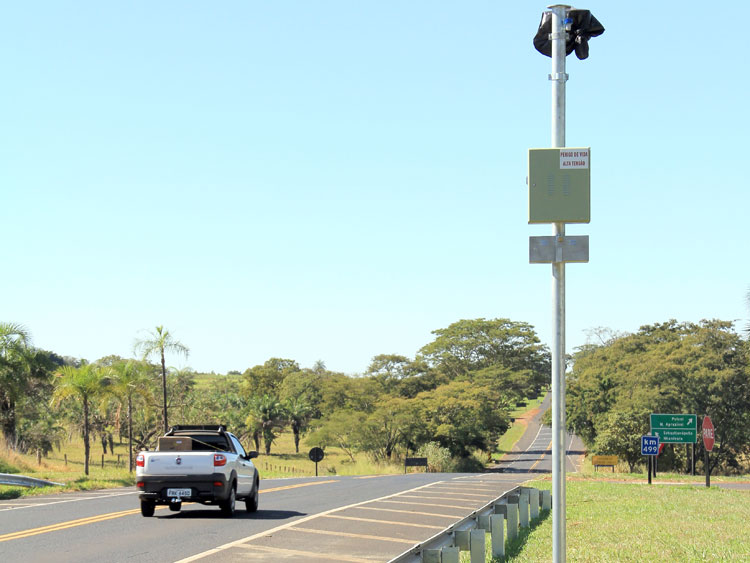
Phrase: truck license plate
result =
(179, 493)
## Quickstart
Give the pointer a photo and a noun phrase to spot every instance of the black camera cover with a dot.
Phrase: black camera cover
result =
(583, 27)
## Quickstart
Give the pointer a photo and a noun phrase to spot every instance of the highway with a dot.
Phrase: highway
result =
(355, 519)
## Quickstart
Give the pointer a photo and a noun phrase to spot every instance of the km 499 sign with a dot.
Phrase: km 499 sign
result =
(649, 445)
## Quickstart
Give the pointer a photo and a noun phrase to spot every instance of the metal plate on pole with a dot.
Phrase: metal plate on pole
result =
(547, 250)
(560, 185)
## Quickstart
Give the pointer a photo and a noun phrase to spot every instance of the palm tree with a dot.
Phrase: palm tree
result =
(15, 341)
(130, 380)
(298, 413)
(266, 417)
(85, 383)
(160, 342)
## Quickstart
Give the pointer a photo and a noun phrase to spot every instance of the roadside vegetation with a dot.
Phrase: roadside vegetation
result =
(454, 402)
(634, 522)
(450, 403)
(670, 367)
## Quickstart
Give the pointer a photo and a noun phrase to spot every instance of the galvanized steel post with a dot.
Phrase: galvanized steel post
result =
(558, 79)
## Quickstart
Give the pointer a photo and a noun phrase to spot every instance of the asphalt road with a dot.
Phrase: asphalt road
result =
(314, 519)
(355, 519)
(533, 452)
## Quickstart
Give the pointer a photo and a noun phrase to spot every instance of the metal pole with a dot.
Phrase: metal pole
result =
(692, 459)
(558, 78)
(708, 467)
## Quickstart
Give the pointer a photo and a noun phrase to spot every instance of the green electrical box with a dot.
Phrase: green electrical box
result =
(560, 185)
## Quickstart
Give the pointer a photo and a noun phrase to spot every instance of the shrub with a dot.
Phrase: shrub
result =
(438, 458)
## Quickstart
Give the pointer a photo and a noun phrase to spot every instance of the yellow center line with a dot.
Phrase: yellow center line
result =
(112, 515)
(541, 458)
(68, 524)
(296, 486)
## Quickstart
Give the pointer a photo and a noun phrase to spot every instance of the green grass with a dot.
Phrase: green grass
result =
(531, 405)
(65, 465)
(507, 441)
(632, 522)
(207, 380)
(283, 462)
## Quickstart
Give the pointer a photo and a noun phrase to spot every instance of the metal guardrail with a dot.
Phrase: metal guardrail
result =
(446, 537)
(23, 481)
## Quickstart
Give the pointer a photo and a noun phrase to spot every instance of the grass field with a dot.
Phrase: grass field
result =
(609, 521)
(66, 466)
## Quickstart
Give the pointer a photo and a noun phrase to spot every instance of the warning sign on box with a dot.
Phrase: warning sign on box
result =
(574, 158)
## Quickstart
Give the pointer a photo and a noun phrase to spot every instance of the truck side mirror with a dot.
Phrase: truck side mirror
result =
(251, 455)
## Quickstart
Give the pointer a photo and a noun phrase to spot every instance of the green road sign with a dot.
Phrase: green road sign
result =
(675, 428)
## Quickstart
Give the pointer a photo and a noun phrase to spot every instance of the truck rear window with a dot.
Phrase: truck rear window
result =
(203, 442)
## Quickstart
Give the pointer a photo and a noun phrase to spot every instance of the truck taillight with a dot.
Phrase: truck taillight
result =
(219, 460)
(140, 484)
(140, 461)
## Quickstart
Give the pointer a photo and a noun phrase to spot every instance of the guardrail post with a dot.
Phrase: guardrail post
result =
(523, 509)
(450, 554)
(497, 524)
(484, 522)
(534, 503)
(478, 543)
(546, 500)
(512, 508)
(461, 539)
(431, 556)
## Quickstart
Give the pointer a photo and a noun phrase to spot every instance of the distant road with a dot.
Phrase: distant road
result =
(533, 451)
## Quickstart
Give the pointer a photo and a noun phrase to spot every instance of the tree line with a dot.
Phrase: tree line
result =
(451, 399)
(453, 395)
(672, 368)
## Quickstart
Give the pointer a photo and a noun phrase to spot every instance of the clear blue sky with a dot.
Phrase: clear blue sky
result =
(335, 180)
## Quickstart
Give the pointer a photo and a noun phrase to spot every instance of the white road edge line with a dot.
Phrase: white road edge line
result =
(230, 545)
(573, 463)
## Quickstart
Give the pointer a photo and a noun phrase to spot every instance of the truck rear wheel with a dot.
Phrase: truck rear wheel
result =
(148, 507)
(251, 502)
(228, 507)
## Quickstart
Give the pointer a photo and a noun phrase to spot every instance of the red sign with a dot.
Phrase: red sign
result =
(708, 433)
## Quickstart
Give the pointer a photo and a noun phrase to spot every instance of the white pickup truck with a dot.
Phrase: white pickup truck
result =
(204, 464)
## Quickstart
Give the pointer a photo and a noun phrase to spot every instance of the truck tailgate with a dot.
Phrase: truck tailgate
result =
(179, 463)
